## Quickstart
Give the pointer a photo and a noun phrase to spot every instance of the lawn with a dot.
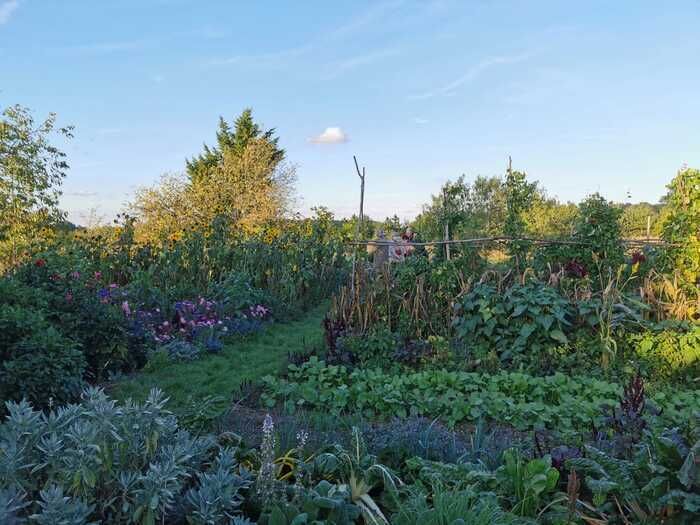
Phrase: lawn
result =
(246, 359)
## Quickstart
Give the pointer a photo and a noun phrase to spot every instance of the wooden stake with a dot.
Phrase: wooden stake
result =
(648, 227)
(360, 218)
(447, 225)
(362, 190)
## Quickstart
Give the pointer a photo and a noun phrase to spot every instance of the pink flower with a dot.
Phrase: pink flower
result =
(126, 309)
(98, 275)
(75, 275)
(69, 296)
(114, 285)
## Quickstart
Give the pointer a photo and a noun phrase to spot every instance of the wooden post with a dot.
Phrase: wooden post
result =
(360, 219)
(362, 192)
(648, 227)
(447, 224)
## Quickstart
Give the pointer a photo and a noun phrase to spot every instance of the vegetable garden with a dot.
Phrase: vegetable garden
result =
(273, 372)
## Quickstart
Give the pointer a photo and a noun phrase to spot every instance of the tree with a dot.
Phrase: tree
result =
(247, 188)
(485, 207)
(550, 218)
(242, 183)
(235, 142)
(31, 173)
(164, 210)
(635, 217)
(476, 209)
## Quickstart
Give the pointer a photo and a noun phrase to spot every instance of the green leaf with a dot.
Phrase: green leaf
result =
(558, 335)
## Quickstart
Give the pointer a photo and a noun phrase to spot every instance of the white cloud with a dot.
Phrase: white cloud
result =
(472, 73)
(420, 121)
(330, 136)
(6, 10)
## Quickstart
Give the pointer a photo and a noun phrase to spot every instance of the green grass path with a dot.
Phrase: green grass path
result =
(245, 359)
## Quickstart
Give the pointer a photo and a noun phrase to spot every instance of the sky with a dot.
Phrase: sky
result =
(584, 96)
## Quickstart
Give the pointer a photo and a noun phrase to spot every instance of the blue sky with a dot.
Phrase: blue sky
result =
(585, 96)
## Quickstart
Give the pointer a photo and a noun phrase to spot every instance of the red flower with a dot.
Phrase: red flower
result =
(40, 263)
(574, 268)
(638, 257)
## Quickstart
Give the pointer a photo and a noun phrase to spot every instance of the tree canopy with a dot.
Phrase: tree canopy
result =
(233, 142)
(242, 181)
(32, 170)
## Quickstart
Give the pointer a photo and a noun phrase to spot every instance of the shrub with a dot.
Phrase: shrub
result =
(682, 227)
(597, 229)
(81, 309)
(670, 354)
(528, 317)
(101, 462)
(660, 483)
(178, 350)
(377, 348)
(401, 439)
(38, 363)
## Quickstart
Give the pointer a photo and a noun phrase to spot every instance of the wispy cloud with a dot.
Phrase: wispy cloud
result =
(352, 27)
(420, 121)
(364, 19)
(333, 135)
(262, 59)
(82, 193)
(348, 64)
(6, 10)
(103, 48)
(471, 74)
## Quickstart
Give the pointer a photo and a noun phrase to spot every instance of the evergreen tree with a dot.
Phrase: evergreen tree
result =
(234, 141)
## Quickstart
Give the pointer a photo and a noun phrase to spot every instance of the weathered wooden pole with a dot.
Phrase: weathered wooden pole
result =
(360, 219)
